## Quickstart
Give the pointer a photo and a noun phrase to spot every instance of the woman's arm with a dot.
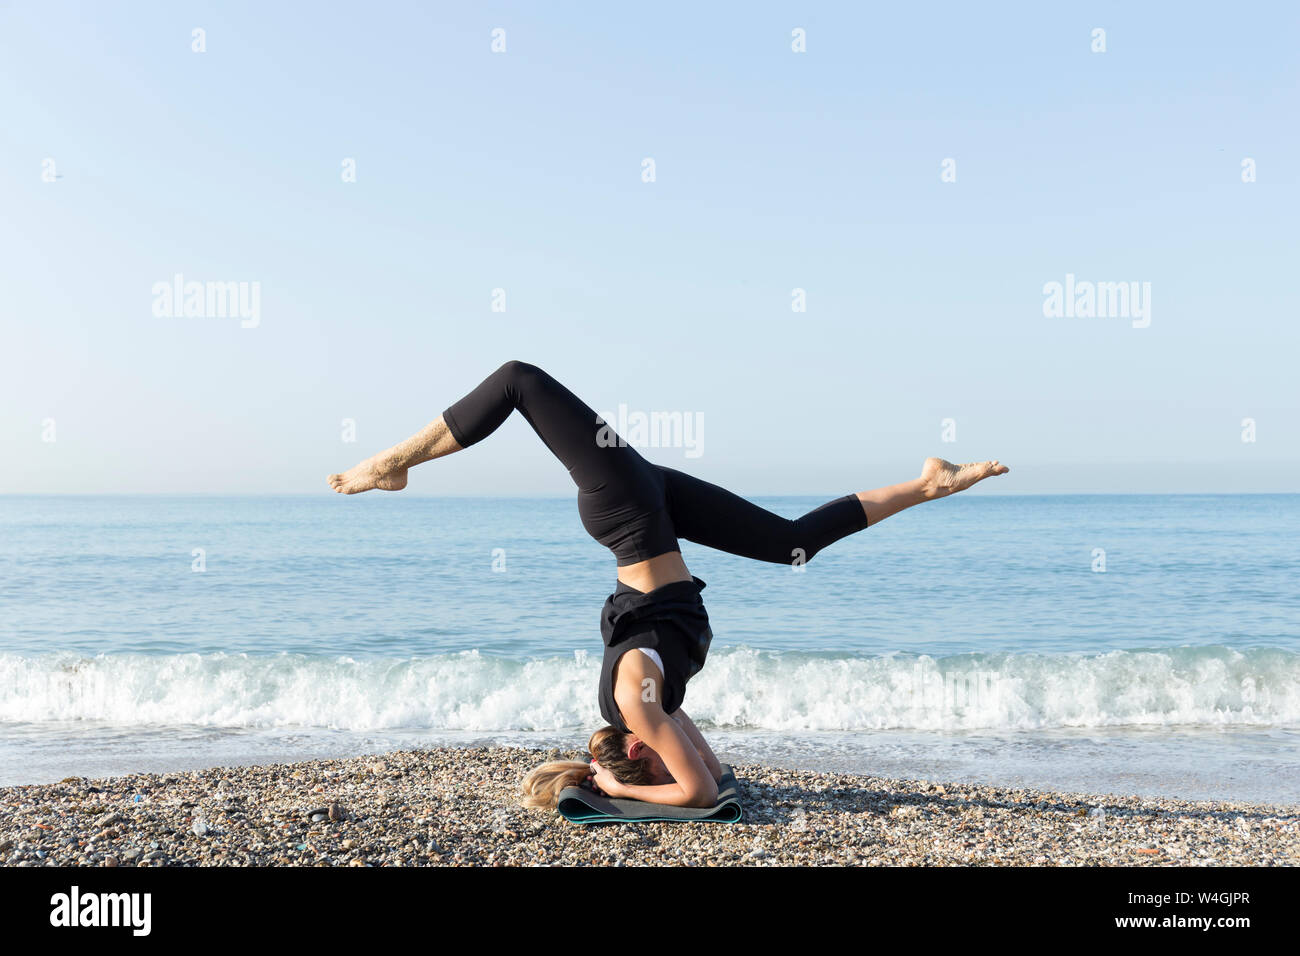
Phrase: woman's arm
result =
(696, 738)
(637, 693)
(693, 784)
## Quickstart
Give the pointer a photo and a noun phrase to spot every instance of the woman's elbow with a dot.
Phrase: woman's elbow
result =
(703, 796)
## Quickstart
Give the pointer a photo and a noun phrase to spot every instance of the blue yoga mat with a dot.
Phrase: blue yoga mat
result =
(579, 805)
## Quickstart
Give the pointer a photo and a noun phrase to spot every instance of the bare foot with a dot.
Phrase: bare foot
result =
(366, 476)
(944, 478)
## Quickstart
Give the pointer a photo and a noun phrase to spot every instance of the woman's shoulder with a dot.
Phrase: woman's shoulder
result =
(638, 681)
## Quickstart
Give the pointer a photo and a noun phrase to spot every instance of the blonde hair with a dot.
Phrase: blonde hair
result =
(608, 745)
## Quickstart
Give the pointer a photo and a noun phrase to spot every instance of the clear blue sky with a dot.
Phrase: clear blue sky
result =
(775, 170)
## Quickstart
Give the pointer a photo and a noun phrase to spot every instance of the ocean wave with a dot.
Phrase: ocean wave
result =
(741, 688)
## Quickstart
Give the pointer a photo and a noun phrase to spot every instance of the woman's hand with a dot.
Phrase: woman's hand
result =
(604, 781)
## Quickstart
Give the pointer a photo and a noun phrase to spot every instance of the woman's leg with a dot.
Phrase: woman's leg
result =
(567, 426)
(387, 470)
(621, 495)
(717, 518)
(597, 461)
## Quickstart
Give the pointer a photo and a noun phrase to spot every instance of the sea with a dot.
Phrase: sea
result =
(1109, 644)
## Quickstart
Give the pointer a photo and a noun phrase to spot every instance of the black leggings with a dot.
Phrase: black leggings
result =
(636, 509)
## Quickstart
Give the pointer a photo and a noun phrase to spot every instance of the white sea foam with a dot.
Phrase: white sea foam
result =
(740, 688)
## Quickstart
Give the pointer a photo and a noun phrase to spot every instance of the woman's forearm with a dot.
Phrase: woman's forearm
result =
(712, 762)
(671, 794)
(710, 759)
(701, 745)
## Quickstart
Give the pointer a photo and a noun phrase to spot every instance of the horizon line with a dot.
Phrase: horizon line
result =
(566, 497)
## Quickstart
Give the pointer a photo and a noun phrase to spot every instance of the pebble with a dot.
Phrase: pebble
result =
(460, 807)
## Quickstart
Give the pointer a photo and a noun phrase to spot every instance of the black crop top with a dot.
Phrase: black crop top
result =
(672, 620)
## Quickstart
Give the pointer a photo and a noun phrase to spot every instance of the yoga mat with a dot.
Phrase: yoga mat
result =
(579, 805)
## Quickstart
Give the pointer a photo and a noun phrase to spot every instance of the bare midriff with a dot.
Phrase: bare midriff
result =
(645, 576)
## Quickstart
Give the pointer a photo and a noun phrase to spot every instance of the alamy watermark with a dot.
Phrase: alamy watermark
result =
(652, 430)
(208, 300)
(1086, 299)
(75, 908)
(927, 688)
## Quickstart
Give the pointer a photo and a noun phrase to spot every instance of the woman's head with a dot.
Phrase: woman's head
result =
(626, 756)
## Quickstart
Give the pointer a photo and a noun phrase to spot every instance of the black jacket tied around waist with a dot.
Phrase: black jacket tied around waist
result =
(671, 620)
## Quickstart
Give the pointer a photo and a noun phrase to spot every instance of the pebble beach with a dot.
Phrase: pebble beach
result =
(460, 807)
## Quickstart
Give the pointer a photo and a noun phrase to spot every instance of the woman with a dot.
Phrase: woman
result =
(651, 750)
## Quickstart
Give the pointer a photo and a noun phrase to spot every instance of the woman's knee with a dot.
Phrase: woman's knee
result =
(513, 368)
(780, 545)
(799, 550)
(520, 374)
